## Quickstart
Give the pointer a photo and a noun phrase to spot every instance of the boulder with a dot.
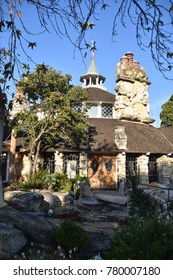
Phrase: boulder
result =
(90, 203)
(12, 240)
(35, 227)
(52, 199)
(85, 189)
(121, 200)
(26, 201)
(63, 197)
(66, 212)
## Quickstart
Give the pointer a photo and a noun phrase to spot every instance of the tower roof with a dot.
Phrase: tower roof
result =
(92, 78)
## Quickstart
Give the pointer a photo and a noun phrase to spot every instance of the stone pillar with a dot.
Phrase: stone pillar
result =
(58, 162)
(165, 170)
(121, 166)
(26, 166)
(83, 163)
(142, 163)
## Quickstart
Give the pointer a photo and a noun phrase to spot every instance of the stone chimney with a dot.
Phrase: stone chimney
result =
(132, 98)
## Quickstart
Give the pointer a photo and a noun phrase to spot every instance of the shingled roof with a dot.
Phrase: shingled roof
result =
(141, 138)
(167, 131)
(98, 94)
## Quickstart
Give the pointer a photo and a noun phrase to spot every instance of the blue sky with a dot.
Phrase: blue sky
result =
(59, 54)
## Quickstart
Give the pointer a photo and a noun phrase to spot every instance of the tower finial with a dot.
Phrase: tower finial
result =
(93, 47)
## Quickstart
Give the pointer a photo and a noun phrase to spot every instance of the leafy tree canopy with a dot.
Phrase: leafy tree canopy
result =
(166, 114)
(55, 117)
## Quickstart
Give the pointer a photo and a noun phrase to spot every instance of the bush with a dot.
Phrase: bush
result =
(37, 182)
(57, 181)
(71, 237)
(142, 239)
(139, 202)
(44, 180)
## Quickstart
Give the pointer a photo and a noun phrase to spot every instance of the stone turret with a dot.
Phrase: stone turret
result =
(132, 98)
(92, 78)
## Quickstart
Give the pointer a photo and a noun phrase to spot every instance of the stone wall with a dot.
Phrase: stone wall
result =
(159, 199)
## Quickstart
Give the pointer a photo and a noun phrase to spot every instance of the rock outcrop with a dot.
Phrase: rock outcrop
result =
(11, 240)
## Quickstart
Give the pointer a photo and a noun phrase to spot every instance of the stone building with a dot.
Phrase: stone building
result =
(123, 141)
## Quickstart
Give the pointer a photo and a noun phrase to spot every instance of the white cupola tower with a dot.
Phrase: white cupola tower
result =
(92, 78)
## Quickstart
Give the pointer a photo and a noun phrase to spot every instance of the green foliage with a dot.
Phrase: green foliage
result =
(166, 114)
(44, 180)
(71, 237)
(146, 236)
(56, 117)
(36, 182)
(143, 239)
(76, 179)
(57, 181)
(139, 202)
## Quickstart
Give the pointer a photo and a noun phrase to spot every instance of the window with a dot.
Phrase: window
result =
(131, 165)
(49, 162)
(106, 110)
(152, 169)
(94, 165)
(92, 110)
(108, 165)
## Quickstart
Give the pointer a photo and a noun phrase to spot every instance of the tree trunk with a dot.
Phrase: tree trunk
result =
(12, 156)
(36, 158)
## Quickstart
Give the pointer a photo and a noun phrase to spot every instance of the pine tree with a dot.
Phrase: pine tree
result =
(166, 114)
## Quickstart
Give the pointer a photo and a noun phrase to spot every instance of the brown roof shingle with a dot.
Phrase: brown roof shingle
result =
(141, 138)
(98, 94)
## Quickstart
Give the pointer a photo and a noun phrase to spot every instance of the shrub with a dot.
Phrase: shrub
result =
(57, 181)
(44, 180)
(37, 182)
(142, 239)
(139, 202)
(70, 236)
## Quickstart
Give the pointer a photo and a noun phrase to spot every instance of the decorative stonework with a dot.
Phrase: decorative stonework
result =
(83, 164)
(132, 99)
(120, 137)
